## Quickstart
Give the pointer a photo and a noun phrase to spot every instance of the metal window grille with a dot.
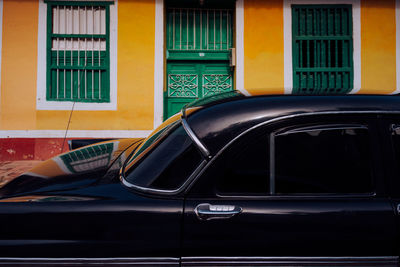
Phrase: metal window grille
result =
(322, 49)
(90, 158)
(199, 29)
(78, 51)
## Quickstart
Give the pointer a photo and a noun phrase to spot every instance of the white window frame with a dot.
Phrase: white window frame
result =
(287, 29)
(159, 64)
(239, 68)
(41, 102)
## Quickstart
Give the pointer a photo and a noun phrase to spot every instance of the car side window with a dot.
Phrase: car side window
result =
(307, 159)
(323, 160)
(242, 168)
(396, 139)
(169, 165)
(395, 131)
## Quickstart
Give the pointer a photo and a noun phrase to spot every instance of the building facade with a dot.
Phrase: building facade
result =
(114, 69)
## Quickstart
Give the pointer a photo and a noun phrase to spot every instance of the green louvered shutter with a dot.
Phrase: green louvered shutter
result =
(322, 49)
(78, 54)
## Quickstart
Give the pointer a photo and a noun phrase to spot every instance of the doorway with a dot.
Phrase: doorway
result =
(199, 41)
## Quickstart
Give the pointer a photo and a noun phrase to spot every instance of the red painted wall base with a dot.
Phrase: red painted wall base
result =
(12, 149)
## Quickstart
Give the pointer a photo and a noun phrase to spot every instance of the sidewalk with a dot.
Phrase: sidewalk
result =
(12, 169)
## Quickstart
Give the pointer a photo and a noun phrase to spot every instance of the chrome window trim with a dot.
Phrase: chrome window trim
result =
(197, 143)
(290, 261)
(210, 159)
(90, 261)
(203, 261)
(160, 191)
(272, 164)
(195, 139)
(321, 127)
(292, 258)
(285, 117)
(298, 196)
(306, 114)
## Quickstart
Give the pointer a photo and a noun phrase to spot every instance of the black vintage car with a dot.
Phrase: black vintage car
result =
(230, 181)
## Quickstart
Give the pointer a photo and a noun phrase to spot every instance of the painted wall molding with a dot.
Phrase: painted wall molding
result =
(41, 102)
(287, 27)
(74, 133)
(240, 47)
(159, 63)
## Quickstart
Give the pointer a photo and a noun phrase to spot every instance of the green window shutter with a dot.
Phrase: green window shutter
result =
(90, 158)
(322, 49)
(78, 54)
(191, 29)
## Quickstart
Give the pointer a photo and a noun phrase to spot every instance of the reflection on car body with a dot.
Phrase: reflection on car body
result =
(229, 181)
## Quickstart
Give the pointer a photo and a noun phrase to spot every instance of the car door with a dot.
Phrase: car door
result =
(94, 224)
(390, 135)
(88, 217)
(301, 192)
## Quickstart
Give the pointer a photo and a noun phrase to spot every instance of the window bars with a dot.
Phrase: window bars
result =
(199, 29)
(78, 52)
(322, 48)
(90, 158)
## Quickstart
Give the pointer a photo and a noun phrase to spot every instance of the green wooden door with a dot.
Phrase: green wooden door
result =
(198, 50)
(191, 80)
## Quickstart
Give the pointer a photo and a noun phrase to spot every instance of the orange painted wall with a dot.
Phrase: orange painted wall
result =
(378, 46)
(136, 37)
(263, 62)
(135, 74)
(263, 46)
(19, 64)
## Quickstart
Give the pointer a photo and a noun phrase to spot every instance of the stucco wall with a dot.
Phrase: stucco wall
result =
(263, 46)
(263, 62)
(135, 72)
(378, 46)
(18, 65)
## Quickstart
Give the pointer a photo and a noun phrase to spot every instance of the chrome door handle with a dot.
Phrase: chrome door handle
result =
(207, 211)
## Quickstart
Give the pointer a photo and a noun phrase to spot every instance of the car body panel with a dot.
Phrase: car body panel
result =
(81, 213)
(99, 226)
(307, 225)
(76, 168)
(293, 227)
(86, 214)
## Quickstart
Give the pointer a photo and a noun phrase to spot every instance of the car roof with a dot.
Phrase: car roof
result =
(217, 121)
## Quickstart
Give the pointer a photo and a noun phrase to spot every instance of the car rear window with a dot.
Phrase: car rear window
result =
(331, 160)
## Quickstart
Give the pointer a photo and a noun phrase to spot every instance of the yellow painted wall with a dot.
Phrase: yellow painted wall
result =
(263, 46)
(135, 72)
(19, 64)
(378, 46)
(263, 62)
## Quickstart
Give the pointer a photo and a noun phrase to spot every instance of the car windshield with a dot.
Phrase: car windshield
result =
(165, 160)
(153, 138)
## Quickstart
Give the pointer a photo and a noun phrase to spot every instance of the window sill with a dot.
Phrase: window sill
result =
(43, 104)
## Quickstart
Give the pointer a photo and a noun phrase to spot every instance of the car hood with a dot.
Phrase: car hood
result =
(77, 168)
